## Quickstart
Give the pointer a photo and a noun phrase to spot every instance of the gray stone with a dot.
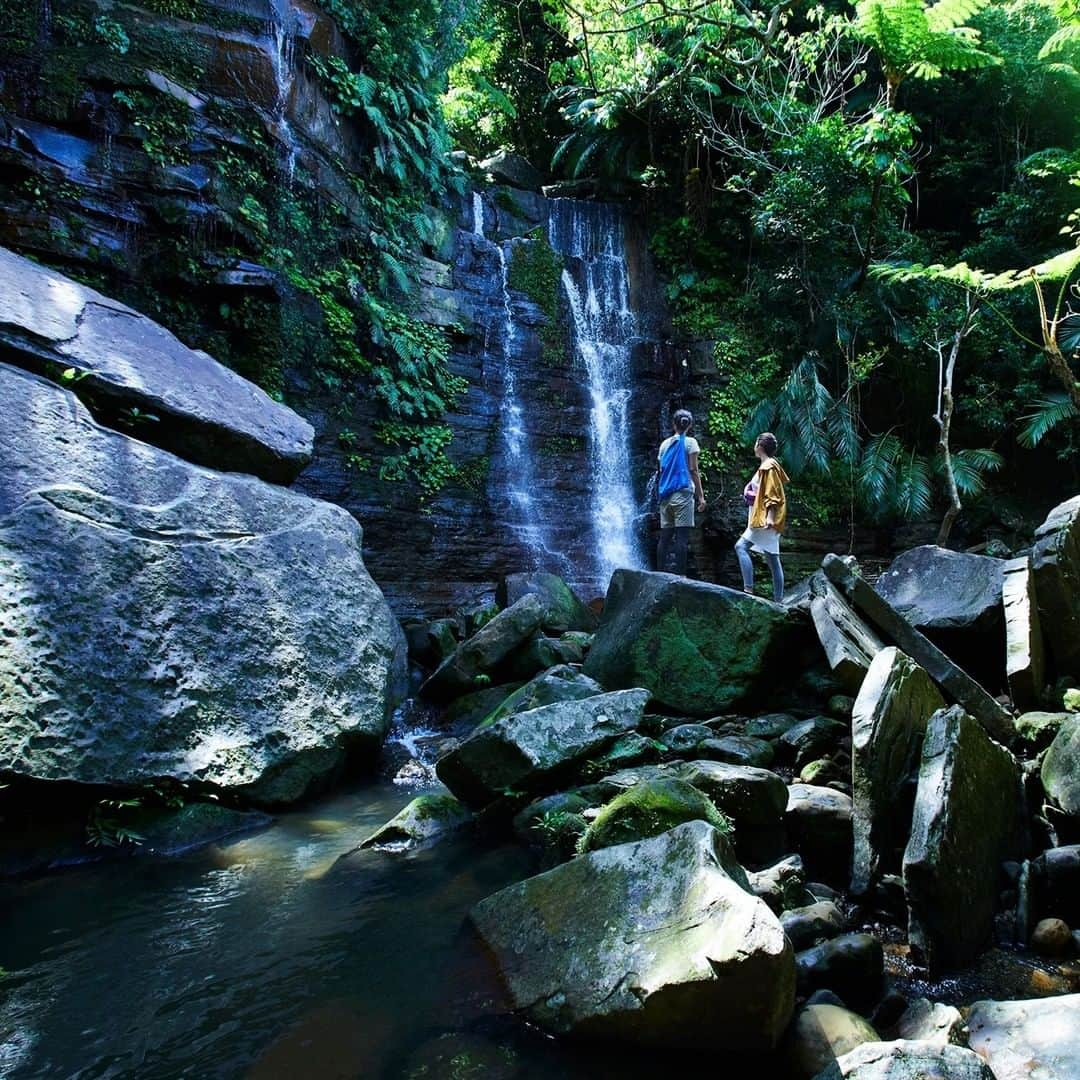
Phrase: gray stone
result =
(1028, 1040)
(560, 683)
(931, 1022)
(655, 942)
(1025, 660)
(888, 724)
(1037, 730)
(513, 169)
(903, 1060)
(1061, 767)
(175, 622)
(811, 738)
(770, 726)
(540, 654)
(748, 795)
(624, 753)
(685, 738)
(820, 1034)
(736, 750)
(486, 649)
(818, 821)
(851, 966)
(526, 751)
(1055, 561)
(701, 649)
(965, 824)
(849, 644)
(465, 712)
(953, 680)
(563, 609)
(1052, 937)
(203, 411)
(806, 926)
(782, 886)
(422, 822)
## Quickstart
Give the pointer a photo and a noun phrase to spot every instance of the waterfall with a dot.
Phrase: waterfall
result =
(282, 31)
(590, 237)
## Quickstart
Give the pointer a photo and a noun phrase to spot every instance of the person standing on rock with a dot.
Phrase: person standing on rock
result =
(764, 495)
(680, 490)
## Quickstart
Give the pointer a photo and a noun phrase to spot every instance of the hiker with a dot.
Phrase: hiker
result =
(680, 490)
(764, 495)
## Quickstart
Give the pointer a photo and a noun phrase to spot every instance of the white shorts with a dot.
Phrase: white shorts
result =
(767, 541)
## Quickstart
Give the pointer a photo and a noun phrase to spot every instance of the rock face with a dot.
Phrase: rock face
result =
(1055, 561)
(1025, 659)
(887, 728)
(563, 609)
(965, 824)
(204, 412)
(526, 751)
(701, 649)
(849, 644)
(955, 682)
(174, 622)
(903, 1060)
(656, 942)
(1061, 767)
(1025, 1040)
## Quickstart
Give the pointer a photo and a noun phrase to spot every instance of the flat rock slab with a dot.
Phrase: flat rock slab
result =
(1025, 651)
(163, 620)
(904, 1060)
(965, 824)
(953, 680)
(655, 942)
(849, 644)
(1055, 560)
(1028, 1040)
(204, 411)
(888, 724)
(701, 649)
(531, 750)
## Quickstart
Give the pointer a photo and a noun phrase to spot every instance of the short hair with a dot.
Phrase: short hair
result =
(684, 420)
(767, 441)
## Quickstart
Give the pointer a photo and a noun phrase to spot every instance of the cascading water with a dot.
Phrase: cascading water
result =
(590, 237)
(282, 31)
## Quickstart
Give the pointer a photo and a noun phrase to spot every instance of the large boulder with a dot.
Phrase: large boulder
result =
(482, 654)
(1061, 767)
(849, 644)
(904, 1060)
(563, 610)
(176, 622)
(560, 683)
(1028, 1040)
(887, 728)
(122, 360)
(509, 168)
(965, 824)
(656, 942)
(953, 680)
(820, 1034)
(818, 821)
(531, 750)
(701, 649)
(1055, 561)
(1025, 653)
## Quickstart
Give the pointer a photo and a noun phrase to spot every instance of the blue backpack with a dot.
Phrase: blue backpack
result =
(675, 469)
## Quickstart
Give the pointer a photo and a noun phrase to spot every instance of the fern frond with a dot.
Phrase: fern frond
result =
(1046, 414)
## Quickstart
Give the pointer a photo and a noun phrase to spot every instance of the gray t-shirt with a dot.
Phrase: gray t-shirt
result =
(691, 445)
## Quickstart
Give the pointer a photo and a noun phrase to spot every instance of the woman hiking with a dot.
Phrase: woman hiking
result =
(680, 490)
(764, 495)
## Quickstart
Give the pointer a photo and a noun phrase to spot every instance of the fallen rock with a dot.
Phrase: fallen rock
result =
(888, 724)
(469, 710)
(955, 683)
(701, 649)
(528, 751)
(513, 169)
(806, 926)
(782, 886)
(201, 409)
(1052, 937)
(1025, 654)
(770, 726)
(1028, 1040)
(685, 738)
(1055, 883)
(902, 1060)
(849, 644)
(851, 966)
(931, 1022)
(540, 654)
(1036, 730)
(560, 683)
(1061, 767)
(749, 796)
(965, 824)
(818, 821)
(812, 738)
(563, 610)
(736, 750)
(485, 650)
(822, 1033)
(655, 942)
(1055, 562)
(423, 821)
(176, 622)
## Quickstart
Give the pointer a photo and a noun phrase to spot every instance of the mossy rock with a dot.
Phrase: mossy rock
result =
(628, 751)
(560, 683)
(648, 810)
(563, 610)
(425, 819)
(1061, 767)
(1038, 729)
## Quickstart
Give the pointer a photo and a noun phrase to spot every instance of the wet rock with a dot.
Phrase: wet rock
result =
(806, 926)
(770, 726)
(649, 809)
(965, 824)
(1025, 659)
(851, 966)
(812, 738)
(953, 681)
(782, 886)
(539, 655)
(701, 649)
(1051, 937)
(176, 622)
(1025, 1040)
(423, 821)
(888, 725)
(823, 772)
(176, 832)
(931, 1022)
(1055, 562)
(849, 644)
(560, 683)
(655, 942)
(528, 751)
(1036, 730)
(1061, 767)
(736, 750)
(542, 818)
(839, 706)
(563, 610)
(469, 710)
(902, 1060)
(822, 1033)
(507, 167)
(486, 649)
(626, 752)
(685, 738)
(204, 412)
(818, 821)
(1055, 883)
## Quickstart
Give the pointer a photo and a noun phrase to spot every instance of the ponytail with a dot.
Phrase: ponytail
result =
(684, 421)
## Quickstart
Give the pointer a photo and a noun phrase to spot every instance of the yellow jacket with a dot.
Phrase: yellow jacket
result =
(770, 496)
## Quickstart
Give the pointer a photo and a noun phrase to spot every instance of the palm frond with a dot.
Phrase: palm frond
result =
(1046, 414)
